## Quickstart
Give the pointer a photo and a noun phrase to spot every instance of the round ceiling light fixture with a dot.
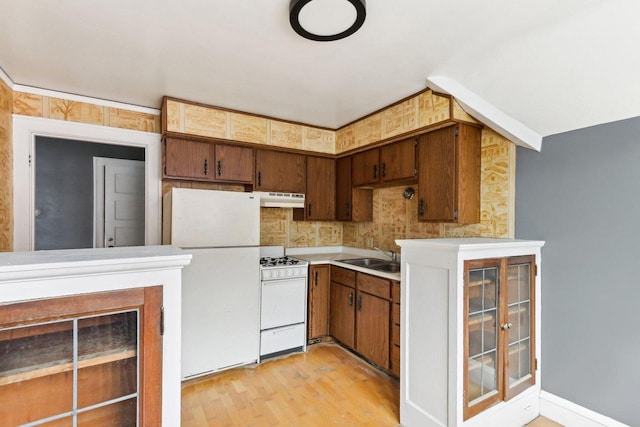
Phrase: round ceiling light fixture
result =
(326, 20)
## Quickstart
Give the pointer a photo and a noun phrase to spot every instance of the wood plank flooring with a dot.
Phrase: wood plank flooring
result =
(327, 386)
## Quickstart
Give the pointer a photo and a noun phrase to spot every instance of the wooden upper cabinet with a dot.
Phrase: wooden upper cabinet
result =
(203, 161)
(320, 198)
(449, 175)
(279, 171)
(184, 159)
(352, 204)
(365, 168)
(391, 163)
(398, 161)
(234, 163)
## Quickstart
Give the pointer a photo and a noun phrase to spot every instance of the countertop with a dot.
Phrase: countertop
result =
(334, 254)
(36, 264)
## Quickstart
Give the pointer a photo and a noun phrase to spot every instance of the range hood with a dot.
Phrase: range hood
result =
(280, 200)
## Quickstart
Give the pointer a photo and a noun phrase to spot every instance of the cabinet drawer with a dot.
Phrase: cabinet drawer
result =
(395, 291)
(395, 360)
(343, 276)
(374, 285)
(395, 314)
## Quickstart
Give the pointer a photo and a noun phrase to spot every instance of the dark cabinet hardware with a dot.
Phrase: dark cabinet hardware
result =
(309, 210)
(375, 171)
(347, 210)
(259, 179)
(315, 278)
(359, 302)
(350, 299)
(219, 167)
(383, 170)
(206, 166)
(421, 207)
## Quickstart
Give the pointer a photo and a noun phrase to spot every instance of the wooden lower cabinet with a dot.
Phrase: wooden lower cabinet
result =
(103, 348)
(318, 301)
(372, 328)
(360, 314)
(394, 367)
(342, 314)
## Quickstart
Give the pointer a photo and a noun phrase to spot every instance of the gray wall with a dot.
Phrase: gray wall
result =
(64, 190)
(581, 195)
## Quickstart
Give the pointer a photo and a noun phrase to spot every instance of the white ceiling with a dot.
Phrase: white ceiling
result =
(546, 65)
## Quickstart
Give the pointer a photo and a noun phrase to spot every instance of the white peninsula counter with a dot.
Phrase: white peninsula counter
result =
(91, 334)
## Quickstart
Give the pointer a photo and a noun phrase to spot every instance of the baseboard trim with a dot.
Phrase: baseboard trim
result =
(570, 414)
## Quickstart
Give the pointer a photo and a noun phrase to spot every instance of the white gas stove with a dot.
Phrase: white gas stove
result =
(283, 308)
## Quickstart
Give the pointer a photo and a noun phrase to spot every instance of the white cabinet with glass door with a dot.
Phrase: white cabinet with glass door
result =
(469, 324)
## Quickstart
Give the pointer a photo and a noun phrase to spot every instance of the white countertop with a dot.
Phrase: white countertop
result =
(334, 254)
(34, 264)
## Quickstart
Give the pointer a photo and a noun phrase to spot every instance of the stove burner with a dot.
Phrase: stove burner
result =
(273, 262)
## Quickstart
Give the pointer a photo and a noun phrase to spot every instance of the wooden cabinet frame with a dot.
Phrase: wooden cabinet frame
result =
(149, 303)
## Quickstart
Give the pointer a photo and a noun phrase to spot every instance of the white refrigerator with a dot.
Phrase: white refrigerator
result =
(221, 286)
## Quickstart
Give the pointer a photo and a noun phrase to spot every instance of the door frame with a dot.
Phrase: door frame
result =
(25, 130)
(99, 164)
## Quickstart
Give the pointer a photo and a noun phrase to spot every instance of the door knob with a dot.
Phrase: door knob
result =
(110, 242)
(506, 326)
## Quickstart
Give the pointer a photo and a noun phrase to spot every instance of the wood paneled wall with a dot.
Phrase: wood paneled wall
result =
(201, 120)
(28, 104)
(6, 168)
(419, 111)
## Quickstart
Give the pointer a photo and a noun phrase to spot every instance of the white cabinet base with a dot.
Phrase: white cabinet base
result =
(432, 333)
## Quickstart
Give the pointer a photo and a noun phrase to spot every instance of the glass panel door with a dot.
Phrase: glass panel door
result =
(482, 354)
(81, 371)
(520, 360)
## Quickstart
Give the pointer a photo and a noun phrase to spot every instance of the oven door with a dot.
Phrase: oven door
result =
(283, 302)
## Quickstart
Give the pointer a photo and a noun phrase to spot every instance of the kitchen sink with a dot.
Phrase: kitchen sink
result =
(374, 264)
(388, 267)
(364, 262)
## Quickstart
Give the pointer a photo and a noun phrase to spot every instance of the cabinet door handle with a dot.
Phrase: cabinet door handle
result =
(359, 302)
(351, 299)
(375, 171)
(219, 167)
(206, 166)
(348, 210)
(421, 207)
(309, 210)
(315, 277)
(384, 170)
(259, 179)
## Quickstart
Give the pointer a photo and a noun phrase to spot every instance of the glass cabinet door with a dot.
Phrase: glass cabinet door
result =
(82, 360)
(482, 379)
(520, 324)
(499, 330)
(74, 372)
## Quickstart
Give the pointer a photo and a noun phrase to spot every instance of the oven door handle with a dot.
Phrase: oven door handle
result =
(276, 282)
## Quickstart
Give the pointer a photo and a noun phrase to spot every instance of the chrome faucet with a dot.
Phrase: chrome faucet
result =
(392, 255)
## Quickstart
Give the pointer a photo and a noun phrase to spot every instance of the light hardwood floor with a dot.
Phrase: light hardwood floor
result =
(327, 386)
